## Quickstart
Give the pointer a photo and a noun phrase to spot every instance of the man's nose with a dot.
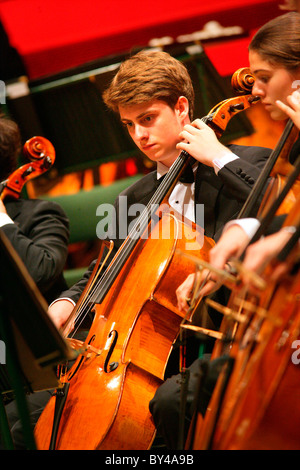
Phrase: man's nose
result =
(140, 132)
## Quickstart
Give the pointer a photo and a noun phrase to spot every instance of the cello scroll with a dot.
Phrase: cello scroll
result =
(219, 116)
(42, 155)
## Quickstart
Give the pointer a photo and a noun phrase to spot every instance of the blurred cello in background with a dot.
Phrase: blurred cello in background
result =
(251, 406)
(41, 153)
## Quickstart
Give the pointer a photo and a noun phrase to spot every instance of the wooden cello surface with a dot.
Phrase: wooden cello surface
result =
(262, 408)
(107, 402)
(255, 403)
(279, 173)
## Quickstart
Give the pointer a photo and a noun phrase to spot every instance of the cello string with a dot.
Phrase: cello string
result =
(107, 278)
(141, 224)
(161, 192)
(101, 286)
(265, 222)
(257, 189)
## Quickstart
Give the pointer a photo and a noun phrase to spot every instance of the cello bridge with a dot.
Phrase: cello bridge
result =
(83, 348)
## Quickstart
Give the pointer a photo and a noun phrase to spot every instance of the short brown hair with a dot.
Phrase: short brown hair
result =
(278, 41)
(150, 75)
(10, 146)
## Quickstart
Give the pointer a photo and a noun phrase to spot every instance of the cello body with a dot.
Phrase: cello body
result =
(255, 403)
(261, 406)
(134, 329)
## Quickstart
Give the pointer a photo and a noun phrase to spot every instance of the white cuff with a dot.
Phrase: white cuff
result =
(289, 229)
(63, 298)
(5, 219)
(218, 163)
(249, 225)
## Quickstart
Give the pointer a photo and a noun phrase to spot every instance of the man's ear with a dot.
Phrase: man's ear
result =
(182, 107)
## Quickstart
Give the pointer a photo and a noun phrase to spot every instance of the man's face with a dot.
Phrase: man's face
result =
(155, 128)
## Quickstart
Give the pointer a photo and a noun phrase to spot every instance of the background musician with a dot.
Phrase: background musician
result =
(39, 232)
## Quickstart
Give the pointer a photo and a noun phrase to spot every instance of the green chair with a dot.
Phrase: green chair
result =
(81, 210)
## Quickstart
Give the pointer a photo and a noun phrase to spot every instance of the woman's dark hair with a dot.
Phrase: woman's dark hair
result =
(278, 41)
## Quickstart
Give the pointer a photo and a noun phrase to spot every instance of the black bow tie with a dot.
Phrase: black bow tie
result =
(188, 175)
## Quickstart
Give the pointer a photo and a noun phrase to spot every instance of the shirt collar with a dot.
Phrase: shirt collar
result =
(161, 170)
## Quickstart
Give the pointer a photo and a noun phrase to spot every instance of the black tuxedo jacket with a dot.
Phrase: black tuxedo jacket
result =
(223, 196)
(40, 236)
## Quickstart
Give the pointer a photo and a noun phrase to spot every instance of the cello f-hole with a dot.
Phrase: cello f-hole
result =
(113, 365)
(71, 375)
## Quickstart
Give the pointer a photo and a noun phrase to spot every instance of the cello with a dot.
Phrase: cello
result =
(260, 406)
(41, 154)
(250, 394)
(280, 184)
(136, 322)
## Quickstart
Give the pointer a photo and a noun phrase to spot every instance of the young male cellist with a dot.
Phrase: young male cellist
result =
(38, 231)
(153, 95)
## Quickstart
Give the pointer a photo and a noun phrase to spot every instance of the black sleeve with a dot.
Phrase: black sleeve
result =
(40, 237)
(240, 175)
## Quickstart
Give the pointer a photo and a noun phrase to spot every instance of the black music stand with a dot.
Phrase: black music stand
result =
(33, 345)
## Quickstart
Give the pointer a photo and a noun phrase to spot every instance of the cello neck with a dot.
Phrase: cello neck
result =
(164, 189)
(266, 220)
(248, 210)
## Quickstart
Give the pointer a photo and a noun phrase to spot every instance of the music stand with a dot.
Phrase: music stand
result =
(33, 345)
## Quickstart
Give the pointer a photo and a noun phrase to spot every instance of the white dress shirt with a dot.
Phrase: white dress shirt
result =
(5, 219)
(182, 197)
